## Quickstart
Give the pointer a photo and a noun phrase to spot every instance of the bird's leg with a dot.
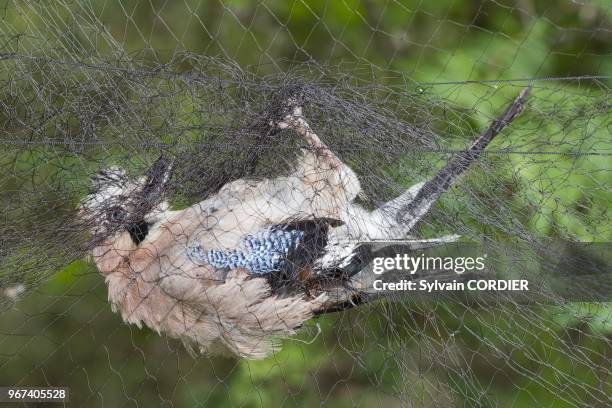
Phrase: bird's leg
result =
(295, 120)
(326, 182)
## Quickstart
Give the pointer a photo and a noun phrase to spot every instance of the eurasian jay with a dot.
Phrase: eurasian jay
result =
(250, 264)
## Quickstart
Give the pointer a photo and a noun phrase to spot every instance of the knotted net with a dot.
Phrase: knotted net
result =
(395, 89)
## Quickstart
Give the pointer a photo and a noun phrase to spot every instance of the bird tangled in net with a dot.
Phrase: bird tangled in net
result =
(258, 258)
(223, 173)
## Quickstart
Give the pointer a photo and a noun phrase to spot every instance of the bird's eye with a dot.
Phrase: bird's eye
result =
(115, 214)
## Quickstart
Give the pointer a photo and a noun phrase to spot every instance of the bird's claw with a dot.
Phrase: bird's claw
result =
(293, 119)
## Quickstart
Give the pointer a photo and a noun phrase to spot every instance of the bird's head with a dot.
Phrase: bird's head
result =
(117, 203)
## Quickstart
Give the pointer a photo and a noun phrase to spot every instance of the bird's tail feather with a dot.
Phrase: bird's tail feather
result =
(396, 218)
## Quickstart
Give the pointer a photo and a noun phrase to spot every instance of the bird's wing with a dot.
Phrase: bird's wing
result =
(284, 254)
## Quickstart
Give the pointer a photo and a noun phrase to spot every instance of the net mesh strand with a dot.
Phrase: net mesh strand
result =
(90, 84)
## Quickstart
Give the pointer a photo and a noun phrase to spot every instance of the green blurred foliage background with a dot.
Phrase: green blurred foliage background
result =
(65, 334)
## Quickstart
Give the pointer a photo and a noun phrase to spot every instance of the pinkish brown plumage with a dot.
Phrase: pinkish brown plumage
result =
(141, 246)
